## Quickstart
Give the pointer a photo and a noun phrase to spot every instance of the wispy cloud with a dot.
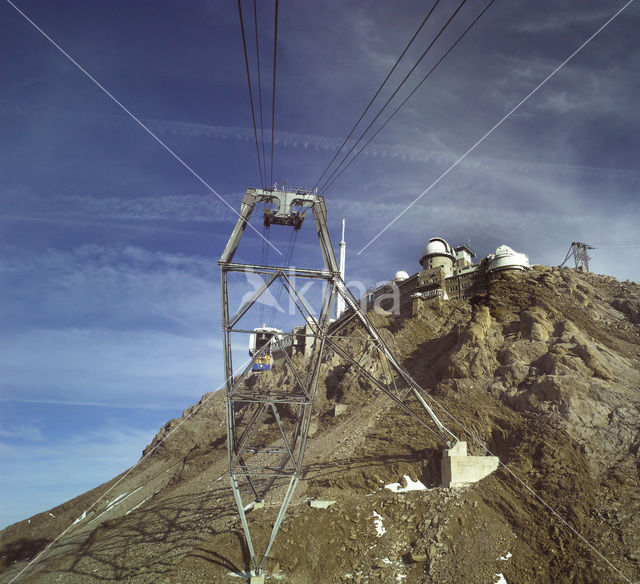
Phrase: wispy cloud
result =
(149, 405)
(557, 21)
(128, 368)
(583, 88)
(29, 433)
(118, 287)
(173, 209)
(46, 474)
(204, 208)
(117, 325)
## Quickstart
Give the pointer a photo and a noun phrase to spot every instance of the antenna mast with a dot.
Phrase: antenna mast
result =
(343, 248)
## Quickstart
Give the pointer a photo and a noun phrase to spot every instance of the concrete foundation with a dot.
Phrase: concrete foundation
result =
(318, 504)
(458, 469)
(339, 409)
(257, 579)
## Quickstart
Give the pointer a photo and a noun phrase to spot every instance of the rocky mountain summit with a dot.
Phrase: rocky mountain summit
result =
(543, 371)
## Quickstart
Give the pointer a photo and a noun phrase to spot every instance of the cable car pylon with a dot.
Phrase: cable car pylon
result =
(268, 417)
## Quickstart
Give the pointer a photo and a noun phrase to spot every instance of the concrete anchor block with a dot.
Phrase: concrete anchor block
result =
(458, 469)
(339, 409)
(258, 504)
(318, 504)
(257, 579)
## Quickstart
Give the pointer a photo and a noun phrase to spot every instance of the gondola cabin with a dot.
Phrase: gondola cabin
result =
(258, 339)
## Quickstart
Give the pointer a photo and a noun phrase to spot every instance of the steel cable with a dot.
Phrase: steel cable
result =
(255, 24)
(273, 98)
(253, 114)
(386, 104)
(406, 99)
(366, 109)
(287, 258)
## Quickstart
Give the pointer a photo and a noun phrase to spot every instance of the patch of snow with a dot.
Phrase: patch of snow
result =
(84, 514)
(377, 521)
(318, 504)
(249, 507)
(400, 577)
(138, 505)
(112, 504)
(97, 517)
(411, 486)
(506, 556)
(501, 579)
(246, 575)
(386, 561)
(120, 498)
(52, 515)
(115, 500)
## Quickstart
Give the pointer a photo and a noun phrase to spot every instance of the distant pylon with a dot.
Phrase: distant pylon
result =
(579, 252)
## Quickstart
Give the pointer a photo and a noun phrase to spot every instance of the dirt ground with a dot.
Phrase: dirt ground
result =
(543, 371)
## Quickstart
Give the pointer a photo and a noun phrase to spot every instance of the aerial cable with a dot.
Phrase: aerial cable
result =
(617, 247)
(292, 243)
(273, 97)
(415, 34)
(266, 232)
(264, 263)
(253, 115)
(255, 23)
(395, 92)
(406, 99)
(617, 244)
(324, 186)
(614, 242)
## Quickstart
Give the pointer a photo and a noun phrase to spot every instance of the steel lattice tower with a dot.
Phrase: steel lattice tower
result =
(281, 410)
(580, 256)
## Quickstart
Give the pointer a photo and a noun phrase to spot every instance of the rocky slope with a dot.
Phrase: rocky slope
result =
(543, 371)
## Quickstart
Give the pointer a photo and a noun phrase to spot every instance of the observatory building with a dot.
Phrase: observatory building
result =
(449, 273)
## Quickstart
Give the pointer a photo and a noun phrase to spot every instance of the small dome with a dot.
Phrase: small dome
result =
(504, 249)
(508, 259)
(400, 276)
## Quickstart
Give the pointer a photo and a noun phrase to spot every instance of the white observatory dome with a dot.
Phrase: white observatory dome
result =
(400, 276)
(437, 246)
(508, 259)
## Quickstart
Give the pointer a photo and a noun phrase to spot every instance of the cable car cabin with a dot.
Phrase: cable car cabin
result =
(258, 339)
(263, 363)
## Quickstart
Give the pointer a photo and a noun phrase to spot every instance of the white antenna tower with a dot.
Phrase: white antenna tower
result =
(343, 247)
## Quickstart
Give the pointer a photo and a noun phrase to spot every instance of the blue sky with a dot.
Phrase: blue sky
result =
(109, 277)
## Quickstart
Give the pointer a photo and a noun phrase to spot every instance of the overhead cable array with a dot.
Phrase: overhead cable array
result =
(343, 164)
(255, 24)
(366, 109)
(273, 96)
(261, 157)
(615, 244)
(406, 99)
